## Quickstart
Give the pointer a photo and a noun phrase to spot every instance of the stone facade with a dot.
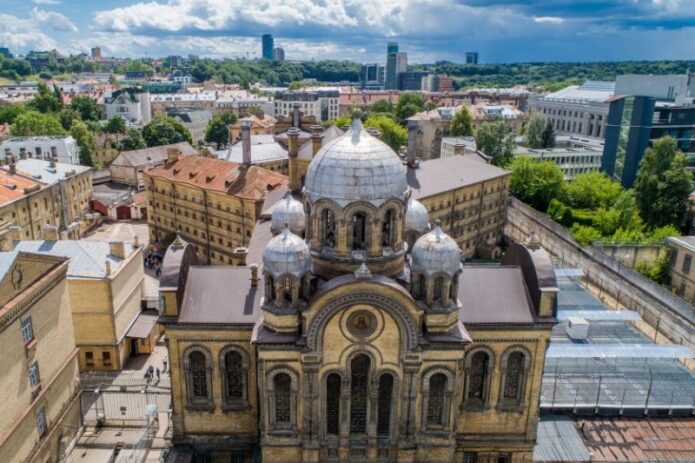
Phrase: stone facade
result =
(39, 384)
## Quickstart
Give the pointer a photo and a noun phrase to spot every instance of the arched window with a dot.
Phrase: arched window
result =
(234, 366)
(328, 224)
(282, 385)
(438, 288)
(359, 231)
(453, 288)
(269, 288)
(388, 228)
(287, 289)
(333, 383)
(198, 374)
(421, 287)
(359, 385)
(436, 400)
(383, 424)
(514, 377)
(478, 378)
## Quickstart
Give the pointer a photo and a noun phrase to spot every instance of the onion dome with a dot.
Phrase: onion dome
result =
(286, 253)
(356, 167)
(436, 252)
(416, 217)
(288, 211)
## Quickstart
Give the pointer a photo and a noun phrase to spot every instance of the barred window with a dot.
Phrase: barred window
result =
(198, 374)
(283, 410)
(333, 384)
(477, 375)
(435, 405)
(514, 376)
(383, 426)
(234, 375)
(359, 385)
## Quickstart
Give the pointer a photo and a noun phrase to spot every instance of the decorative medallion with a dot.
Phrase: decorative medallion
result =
(361, 324)
(17, 274)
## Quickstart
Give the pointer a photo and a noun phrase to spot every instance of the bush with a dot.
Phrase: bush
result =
(657, 270)
(584, 235)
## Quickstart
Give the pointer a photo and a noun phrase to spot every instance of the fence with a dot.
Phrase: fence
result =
(115, 408)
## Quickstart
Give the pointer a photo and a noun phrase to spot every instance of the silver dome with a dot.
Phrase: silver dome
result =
(436, 252)
(416, 217)
(356, 167)
(286, 254)
(288, 211)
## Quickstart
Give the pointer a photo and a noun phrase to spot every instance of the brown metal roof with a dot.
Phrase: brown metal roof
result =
(142, 327)
(221, 295)
(437, 176)
(493, 294)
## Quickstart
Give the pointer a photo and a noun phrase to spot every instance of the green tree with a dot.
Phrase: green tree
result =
(10, 112)
(341, 121)
(86, 142)
(663, 185)
(87, 107)
(408, 105)
(657, 270)
(496, 140)
(67, 116)
(228, 118)
(534, 131)
(548, 136)
(115, 124)
(45, 101)
(461, 124)
(382, 106)
(163, 130)
(33, 123)
(217, 132)
(536, 183)
(391, 133)
(591, 190)
(584, 234)
(132, 141)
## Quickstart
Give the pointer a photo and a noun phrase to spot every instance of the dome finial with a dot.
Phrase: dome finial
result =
(356, 127)
(357, 114)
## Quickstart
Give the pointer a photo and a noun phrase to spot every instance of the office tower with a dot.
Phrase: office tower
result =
(472, 57)
(395, 62)
(278, 54)
(268, 45)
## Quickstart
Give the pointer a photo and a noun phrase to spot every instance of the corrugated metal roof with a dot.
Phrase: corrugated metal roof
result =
(87, 258)
(559, 441)
(622, 350)
(43, 172)
(599, 315)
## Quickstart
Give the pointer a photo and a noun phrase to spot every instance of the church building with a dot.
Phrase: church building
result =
(343, 343)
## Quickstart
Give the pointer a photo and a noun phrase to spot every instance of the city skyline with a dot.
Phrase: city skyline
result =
(501, 30)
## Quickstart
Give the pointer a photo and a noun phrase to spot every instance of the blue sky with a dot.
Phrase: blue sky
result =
(429, 30)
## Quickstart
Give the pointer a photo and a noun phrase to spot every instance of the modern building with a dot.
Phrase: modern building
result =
(195, 120)
(340, 343)
(180, 77)
(322, 104)
(39, 385)
(471, 57)
(396, 62)
(278, 54)
(457, 146)
(62, 148)
(161, 103)
(578, 109)
(96, 52)
(437, 83)
(411, 80)
(571, 161)
(678, 89)
(213, 204)
(128, 168)
(267, 46)
(132, 104)
(105, 282)
(244, 106)
(681, 268)
(372, 76)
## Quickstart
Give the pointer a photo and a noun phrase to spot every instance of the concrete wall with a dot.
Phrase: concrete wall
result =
(629, 255)
(669, 315)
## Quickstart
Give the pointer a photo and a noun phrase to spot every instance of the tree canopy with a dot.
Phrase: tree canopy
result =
(461, 124)
(86, 142)
(592, 190)
(162, 130)
(534, 182)
(391, 133)
(115, 124)
(496, 140)
(534, 131)
(87, 107)
(32, 123)
(217, 132)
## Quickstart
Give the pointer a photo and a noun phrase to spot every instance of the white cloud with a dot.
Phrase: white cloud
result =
(57, 21)
(548, 20)
(46, 2)
(23, 34)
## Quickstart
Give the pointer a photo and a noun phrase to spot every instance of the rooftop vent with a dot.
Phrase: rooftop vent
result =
(577, 328)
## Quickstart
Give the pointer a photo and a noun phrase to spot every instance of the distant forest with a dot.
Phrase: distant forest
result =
(547, 75)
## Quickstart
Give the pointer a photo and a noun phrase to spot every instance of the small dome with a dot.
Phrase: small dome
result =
(288, 211)
(436, 252)
(356, 167)
(416, 217)
(286, 253)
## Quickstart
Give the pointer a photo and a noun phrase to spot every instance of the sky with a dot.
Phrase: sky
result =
(502, 31)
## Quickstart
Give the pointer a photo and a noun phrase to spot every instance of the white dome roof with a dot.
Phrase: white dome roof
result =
(356, 167)
(286, 253)
(416, 217)
(288, 211)
(436, 252)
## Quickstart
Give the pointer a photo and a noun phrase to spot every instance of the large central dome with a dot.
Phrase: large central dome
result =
(356, 167)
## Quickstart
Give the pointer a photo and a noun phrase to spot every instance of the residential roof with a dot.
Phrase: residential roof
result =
(228, 177)
(687, 242)
(190, 116)
(147, 156)
(142, 327)
(263, 149)
(505, 301)
(13, 187)
(437, 176)
(87, 258)
(221, 294)
(110, 193)
(46, 173)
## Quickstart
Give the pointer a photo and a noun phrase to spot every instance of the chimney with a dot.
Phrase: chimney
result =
(136, 241)
(296, 116)
(316, 128)
(8, 154)
(246, 141)
(54, 152)
(374, 133)
(292, 141)
(260, 114)
(13, 165)
(52, 162)
(459, 149)
(117, 248)
(50, 232)
(108, 268)
(172, 155)
(22, 153)
(412, 136)
(344, 128)
(254, 275)
(316, 142)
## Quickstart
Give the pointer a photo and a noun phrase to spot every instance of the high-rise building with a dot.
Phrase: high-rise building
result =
(410, 81)
(395, 62)
(372, 76)
(96, 53)
(278, 54)
(471, 57)
(268, 45)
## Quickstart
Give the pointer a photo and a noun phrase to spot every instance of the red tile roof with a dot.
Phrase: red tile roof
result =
(13, 187)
